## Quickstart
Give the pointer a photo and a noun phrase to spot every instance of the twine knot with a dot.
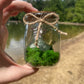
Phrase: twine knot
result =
(42, 20)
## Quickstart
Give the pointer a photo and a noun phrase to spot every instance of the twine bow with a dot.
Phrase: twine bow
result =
(42, 20)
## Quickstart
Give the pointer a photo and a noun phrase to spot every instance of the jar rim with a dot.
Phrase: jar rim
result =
(43, 12)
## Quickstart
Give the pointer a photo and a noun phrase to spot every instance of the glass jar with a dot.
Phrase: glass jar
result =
(45, 51)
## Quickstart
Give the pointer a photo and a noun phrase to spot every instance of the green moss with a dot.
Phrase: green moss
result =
(36, 57)
(50, 57)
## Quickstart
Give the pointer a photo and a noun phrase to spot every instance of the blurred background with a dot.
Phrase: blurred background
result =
(70, 69)
(68, 10)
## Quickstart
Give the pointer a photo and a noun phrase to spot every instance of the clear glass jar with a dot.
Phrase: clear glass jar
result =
(48, 51)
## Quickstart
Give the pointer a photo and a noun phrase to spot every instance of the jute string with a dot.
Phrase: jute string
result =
(42, 20)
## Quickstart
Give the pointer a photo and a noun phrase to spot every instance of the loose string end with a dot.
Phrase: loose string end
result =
(64, 33)
(61, 32)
